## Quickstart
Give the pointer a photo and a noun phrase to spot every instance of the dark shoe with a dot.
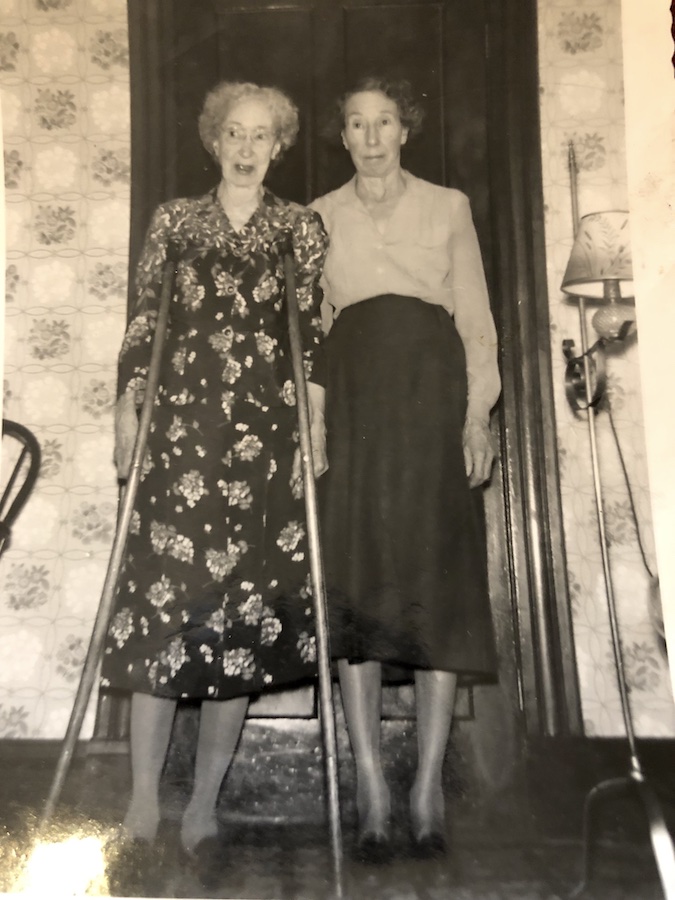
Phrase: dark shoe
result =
(432, 845)
(208, 860)
(374, 849)
(131, 867)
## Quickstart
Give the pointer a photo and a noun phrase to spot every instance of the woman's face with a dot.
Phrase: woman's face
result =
(373, 133)
(247, 143)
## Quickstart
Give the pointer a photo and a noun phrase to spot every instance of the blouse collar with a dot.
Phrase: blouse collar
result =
(350, 196)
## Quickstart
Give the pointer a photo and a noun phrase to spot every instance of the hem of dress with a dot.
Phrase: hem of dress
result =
(254, 693)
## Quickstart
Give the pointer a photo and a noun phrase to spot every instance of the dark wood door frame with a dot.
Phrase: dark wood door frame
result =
(534, 558)
(537, 566)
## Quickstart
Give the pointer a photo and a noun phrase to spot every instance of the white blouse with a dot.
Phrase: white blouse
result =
(426, 248)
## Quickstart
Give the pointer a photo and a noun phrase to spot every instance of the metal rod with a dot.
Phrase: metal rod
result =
(661, 841)
(574, 192)
(597, 488)
(326, 705)
(662, 844)
(112, 575)
(604, 547)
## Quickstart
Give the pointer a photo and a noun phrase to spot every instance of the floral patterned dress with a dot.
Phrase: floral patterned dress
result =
(215, 600)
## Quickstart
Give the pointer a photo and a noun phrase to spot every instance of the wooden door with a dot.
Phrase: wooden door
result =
(475, 64)
(312, 49)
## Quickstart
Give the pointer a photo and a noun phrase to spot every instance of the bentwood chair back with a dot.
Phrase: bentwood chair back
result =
(21, 448)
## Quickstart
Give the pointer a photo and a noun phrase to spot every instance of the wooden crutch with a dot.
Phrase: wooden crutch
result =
(113, 572)
(326, 705)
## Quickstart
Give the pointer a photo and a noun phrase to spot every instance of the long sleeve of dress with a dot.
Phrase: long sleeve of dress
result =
(134, 357)
(310, 245)
(473, 318)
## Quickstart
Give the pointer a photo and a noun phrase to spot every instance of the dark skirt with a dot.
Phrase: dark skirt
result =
(403, 534)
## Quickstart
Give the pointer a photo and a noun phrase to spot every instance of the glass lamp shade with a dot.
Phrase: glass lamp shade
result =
(601, 254)
(614, 321)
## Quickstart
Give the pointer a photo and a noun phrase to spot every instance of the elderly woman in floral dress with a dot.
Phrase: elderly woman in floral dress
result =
(214, 600)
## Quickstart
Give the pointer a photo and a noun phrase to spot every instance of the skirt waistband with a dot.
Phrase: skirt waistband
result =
(395, 314)
(401, 300)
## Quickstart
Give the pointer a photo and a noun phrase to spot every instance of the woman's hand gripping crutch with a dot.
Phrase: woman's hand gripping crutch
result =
(102, 619)
(326, 705)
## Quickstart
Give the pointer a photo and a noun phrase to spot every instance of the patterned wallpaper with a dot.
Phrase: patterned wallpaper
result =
(65, 104)
(582, 101)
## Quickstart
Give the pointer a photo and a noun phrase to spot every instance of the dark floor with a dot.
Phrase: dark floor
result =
(279, 847)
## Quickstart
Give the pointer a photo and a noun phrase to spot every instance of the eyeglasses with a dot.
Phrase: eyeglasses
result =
(260, 137)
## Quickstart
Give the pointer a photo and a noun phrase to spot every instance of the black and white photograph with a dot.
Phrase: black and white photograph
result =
(336, 491)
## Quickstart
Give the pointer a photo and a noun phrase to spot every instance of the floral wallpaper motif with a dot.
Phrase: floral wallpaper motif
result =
(9, 49)
(589, 150)
(55, 109)
(64, 81)
(580, 32)
(582, 101)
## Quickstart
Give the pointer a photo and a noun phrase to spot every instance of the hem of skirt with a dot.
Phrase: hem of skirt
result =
(167, 694)
(403, 671)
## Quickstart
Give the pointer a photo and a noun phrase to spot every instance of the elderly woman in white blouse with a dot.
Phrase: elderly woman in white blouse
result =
(411, 376)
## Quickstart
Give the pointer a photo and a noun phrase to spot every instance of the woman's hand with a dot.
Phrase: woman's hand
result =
(316, 396)
(479, 451)
(317, 433)
(126, 429)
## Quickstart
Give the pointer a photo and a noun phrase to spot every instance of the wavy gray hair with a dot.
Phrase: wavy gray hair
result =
(220, 100)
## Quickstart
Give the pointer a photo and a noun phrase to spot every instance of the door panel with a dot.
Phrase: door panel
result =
(388, 39)
(274, 47)
(313, 50)
(216, 41)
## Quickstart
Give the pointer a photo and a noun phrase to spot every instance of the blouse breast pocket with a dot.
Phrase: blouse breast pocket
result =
(433, 236)
(430, 256)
